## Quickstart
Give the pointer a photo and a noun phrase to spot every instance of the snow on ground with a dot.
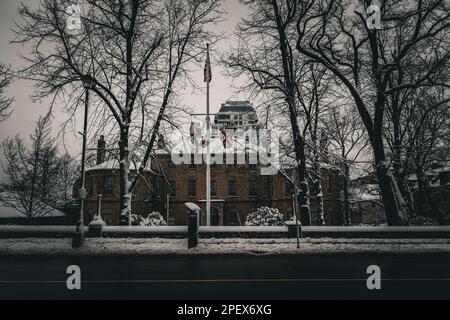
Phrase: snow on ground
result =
(155, 246)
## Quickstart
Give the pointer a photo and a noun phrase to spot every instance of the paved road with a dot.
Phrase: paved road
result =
(226, 277)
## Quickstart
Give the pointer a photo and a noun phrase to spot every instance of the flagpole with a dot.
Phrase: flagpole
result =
(208, 172)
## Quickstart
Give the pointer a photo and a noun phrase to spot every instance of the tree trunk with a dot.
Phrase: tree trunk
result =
(394, 204)
(301, 170)
(299, 143)
(319, 203)
(398, 164)
(318, 189)
(407, 194)
(317, 162)
(347, 216)
(125, 194)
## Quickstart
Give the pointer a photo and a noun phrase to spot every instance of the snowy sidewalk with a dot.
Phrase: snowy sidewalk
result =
(233, 246)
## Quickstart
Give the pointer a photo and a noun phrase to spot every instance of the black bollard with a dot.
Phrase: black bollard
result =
(193, 213)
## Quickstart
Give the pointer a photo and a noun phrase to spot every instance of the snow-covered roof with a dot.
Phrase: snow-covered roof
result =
(366, 192)
(369, 197)
(236, 107)
(309, 166)
(113, 164)
(9, 212)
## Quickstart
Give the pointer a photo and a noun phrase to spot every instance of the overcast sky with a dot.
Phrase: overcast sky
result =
(26, 112)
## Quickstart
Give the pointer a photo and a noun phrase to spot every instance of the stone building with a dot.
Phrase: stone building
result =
(236, 190)
(236, 115)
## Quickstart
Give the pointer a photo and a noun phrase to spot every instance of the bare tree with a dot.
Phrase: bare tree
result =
(67, 176)
(348, 140)
(418, 138)
(314, 95)
(125, 49)
(5, 102)
(365, 59)
(266, 57)
(429, 139)
(32, 174)
(416, 113)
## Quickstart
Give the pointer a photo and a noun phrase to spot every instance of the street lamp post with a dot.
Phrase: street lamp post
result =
(78, 238)
(99, 207)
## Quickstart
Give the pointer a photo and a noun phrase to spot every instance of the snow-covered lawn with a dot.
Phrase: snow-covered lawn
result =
(155, 246)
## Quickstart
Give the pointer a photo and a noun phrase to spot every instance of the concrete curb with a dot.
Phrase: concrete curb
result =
(180, 232)
(384, 232)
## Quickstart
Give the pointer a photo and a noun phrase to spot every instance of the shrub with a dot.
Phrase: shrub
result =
(153, 219)
(265, 216)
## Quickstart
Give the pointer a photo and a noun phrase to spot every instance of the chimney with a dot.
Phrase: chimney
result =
(161, 142)
(101, 150)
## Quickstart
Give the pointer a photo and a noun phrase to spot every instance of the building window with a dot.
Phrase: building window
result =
(158, 189)
(252, 188)
(232, 188)
(173, 188)
(108, 186)
(107, 217)
(288, 187)
(329, 184)
(192, 188)
(213, 188)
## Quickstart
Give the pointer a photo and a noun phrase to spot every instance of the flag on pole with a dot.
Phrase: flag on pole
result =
(192, 132)
(207, 69)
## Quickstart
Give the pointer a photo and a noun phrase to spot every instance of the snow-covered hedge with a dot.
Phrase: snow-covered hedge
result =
(153, 219)
(265, 216)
